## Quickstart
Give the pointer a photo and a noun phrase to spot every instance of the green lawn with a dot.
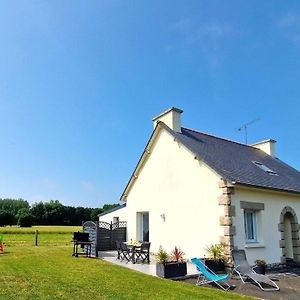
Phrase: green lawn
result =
(50, 272)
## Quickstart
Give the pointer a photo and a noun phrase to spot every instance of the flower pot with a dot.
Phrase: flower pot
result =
(171, 269)
(260, 269)
(215, 265)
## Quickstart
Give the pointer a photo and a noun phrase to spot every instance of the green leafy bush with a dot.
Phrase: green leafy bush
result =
(216, 252)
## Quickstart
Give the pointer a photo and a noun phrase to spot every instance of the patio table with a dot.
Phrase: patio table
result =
(133, 246)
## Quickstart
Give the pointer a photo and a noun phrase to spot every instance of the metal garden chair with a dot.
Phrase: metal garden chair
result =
(143, 252)
(244, 270)
(205, 272)
(125, 252)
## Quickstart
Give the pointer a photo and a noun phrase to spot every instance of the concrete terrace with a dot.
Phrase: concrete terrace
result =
(146, 268)
(286, 277)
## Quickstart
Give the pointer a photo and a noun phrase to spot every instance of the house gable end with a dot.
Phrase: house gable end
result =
(147, 152)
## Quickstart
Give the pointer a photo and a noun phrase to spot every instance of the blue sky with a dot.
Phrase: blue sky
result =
(81, 80)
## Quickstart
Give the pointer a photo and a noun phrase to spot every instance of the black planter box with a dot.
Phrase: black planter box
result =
(215, 265)
(170, 270)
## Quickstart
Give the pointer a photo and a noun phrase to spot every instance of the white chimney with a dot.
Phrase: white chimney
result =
(171, 117)
(267, 146)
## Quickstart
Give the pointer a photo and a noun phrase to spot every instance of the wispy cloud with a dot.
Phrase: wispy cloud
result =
(289, 24)
(208, 36)
(195, 31)
(50, 184)
(288, 20)
(182, 25)
(87, 186)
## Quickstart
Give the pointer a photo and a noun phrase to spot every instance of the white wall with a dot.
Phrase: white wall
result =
(268, 248)
(175, 184)
(121, 213)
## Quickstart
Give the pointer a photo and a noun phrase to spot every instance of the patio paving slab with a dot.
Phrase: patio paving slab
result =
(146, 268)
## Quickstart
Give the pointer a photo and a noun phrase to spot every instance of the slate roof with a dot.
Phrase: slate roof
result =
(234, 161)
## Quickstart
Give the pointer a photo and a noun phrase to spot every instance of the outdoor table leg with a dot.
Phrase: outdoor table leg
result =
(76, 255)
(73, 249)
(133, 255)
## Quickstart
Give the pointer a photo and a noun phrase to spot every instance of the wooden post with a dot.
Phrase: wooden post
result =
(36, 237)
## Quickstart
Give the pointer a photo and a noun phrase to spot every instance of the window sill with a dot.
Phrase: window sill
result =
(255, 245)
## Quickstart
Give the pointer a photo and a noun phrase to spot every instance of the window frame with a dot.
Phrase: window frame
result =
(116, 219)
(254, 216)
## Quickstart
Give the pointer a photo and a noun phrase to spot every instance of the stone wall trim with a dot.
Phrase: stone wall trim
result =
(252, 205)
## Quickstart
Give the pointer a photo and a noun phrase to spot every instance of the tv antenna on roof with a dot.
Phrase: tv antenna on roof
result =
(244, 128)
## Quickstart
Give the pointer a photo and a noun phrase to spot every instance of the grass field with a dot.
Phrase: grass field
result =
(48, 235)
(41, 229)
(50, 272)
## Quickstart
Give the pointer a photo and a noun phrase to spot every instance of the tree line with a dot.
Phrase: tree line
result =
(19, 212)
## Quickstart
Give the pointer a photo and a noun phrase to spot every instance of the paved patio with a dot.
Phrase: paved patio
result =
(146, 268)
(288, 279)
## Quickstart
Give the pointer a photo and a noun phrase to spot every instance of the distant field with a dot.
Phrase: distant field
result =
(49, 272)
(48, 235)
(42, 229)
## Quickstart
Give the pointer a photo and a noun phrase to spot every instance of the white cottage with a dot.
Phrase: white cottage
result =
(192, 189)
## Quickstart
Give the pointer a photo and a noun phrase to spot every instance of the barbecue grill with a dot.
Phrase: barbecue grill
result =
(82, 239)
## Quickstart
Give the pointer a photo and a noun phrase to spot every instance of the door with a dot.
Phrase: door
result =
(143, 226)
(288, 237)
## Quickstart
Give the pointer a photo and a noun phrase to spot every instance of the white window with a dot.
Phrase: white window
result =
(250, 218)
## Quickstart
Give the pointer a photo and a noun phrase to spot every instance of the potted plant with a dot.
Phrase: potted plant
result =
(216, 257)
(260, 266)
(169, 266)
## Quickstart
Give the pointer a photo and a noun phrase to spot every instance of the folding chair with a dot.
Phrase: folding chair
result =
(125, 252)
(119, 250)
(212, 277)
(144, 252)
(244, 270)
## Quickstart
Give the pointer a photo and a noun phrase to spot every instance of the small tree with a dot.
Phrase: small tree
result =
(25, 218)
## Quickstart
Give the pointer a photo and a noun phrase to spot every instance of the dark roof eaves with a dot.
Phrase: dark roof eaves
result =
(112, 210)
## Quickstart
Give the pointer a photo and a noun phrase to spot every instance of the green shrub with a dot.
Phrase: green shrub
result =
(25, 218)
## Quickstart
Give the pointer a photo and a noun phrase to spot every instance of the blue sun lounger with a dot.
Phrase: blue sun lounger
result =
(207, 273)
